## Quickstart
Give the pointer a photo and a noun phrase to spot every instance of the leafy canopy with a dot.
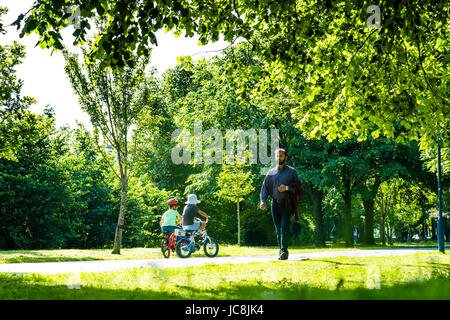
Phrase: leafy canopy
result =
(343, 76)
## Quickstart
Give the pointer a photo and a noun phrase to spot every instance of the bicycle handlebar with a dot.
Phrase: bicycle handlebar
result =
(198, 219)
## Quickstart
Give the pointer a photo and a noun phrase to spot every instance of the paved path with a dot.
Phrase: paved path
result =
(175, 262)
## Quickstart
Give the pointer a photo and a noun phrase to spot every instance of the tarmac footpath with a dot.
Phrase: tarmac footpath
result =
(175, 262)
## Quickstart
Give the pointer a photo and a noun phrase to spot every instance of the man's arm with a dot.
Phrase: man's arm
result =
(284, 188)
(264, 194)
(296, 178)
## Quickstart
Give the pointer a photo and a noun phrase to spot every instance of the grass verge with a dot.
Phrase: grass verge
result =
(19, 256)
(420, 276)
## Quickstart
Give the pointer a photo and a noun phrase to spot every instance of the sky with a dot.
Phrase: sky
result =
(43, 73)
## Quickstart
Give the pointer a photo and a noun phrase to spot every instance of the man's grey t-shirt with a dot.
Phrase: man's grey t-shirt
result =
(189, 212)
(274, 178)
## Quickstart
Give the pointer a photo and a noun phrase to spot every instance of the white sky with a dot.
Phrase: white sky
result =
(44, 77)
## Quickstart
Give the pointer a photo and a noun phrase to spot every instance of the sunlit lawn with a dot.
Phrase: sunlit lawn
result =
(419, 276)
(15, 256)
(134, 253)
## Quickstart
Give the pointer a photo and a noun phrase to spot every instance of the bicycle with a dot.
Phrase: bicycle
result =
(168, 243)
(187, 243)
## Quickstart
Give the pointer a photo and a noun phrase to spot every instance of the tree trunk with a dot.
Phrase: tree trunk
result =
(433, 229)
(348, 229)
(316, 196)
(424, 224)
(122, 212)
(369, 209)
(425, 230)
(369, 205)
(389, 233)
(239, 225)
(382, 230)
(348, 236)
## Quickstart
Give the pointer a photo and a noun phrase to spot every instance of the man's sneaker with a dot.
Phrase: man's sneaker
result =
(283, 255)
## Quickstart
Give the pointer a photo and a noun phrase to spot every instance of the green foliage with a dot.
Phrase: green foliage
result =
(146, 204)
(36, 203)
(56, 194)
(400, 206)
(12, 103)
(91, 182)
(343, 76)
(430, 156)
(114, 99)
(234, 183)
(315, 72)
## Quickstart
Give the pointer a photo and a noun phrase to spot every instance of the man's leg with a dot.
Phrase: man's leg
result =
(276, 217)
(285, 222)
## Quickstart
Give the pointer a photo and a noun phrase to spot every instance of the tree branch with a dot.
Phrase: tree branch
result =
(360, 47)
(220, 50)
(426, 76)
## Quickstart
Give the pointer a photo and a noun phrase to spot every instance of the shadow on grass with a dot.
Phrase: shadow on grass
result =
(16, 287)
(436, 267)
(44, 259)
(29, 252)
(339, 263)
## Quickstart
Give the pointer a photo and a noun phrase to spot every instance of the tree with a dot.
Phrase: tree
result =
(385, 159)
(91, 183)
(344, 74)
(114, 100)
(145, 206)
(235, 184)
(12, 104)
(155, 127)
(309, 156)
(399, 208)
(198, 93)
(38, 206)
(345, 171)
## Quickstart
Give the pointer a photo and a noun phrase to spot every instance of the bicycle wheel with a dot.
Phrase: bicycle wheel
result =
(165, 248)
(211, 248)
(183, 250)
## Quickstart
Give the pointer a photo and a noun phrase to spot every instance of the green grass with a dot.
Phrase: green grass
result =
(419, 276)
(18, 256)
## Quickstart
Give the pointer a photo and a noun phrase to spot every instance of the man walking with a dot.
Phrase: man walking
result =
(283, 186)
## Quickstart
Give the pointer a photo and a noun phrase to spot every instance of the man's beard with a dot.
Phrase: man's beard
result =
(281, 162)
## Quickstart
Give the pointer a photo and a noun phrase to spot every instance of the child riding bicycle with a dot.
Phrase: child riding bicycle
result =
(170, 218)
(189, 212)
(188, 243)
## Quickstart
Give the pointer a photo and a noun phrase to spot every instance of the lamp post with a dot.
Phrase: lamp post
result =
(440, 221)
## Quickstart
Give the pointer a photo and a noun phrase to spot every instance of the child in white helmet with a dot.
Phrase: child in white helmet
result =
(189, 212)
